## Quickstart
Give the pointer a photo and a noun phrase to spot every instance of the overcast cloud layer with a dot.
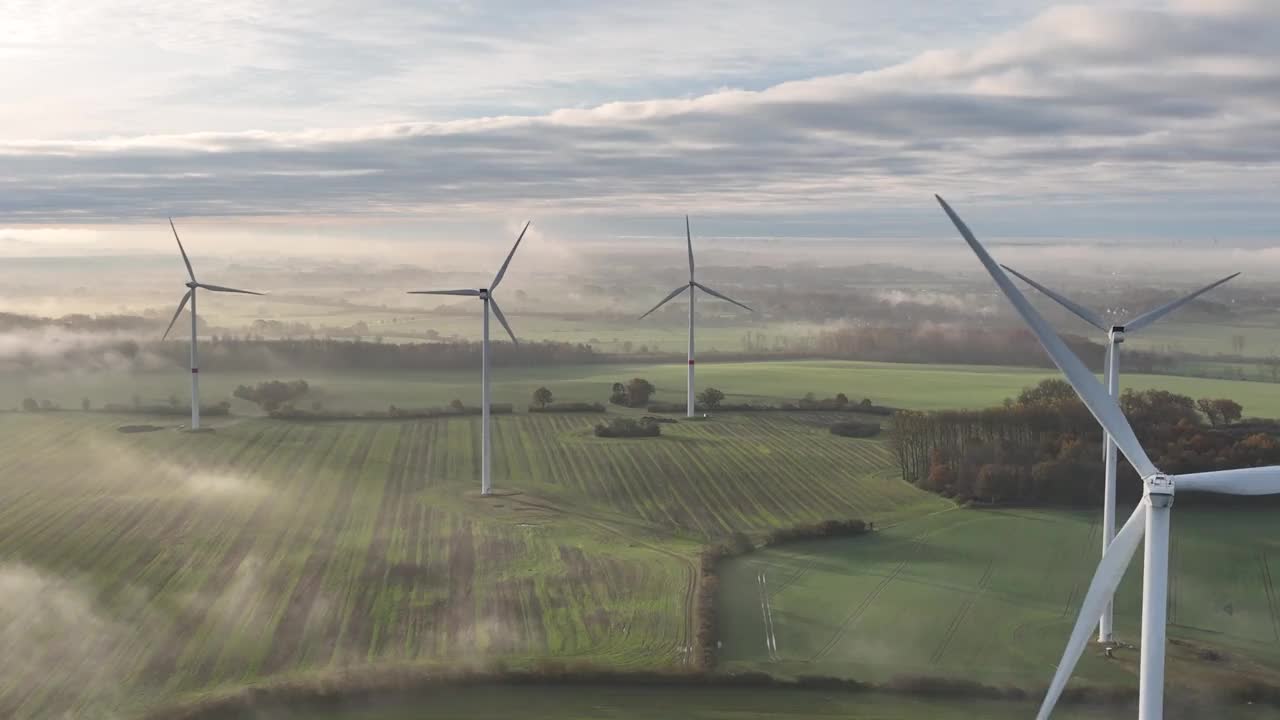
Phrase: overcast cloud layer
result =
(1150, 116)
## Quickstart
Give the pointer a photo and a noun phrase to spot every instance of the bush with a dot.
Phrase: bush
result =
(710, 398)
(628, 428)
(289, 412)
(855, 429)
(570, 407)
(271, 394)
(217, 409)
(816, 531)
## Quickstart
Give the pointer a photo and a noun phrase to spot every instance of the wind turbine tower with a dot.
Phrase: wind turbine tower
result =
(490, 304)
(692, 286)
(190, 296)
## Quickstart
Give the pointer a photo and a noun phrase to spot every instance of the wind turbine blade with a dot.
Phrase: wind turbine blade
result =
(497, 311)
(219, 288)
(726, 298)
(1246, 481)
(182, 250)
(467, 293)
(665, 300)
(1101, 589)
(181, 305)
(1149, 317)
(1091, 392)
(688, 236)
(1083, 313)
(503, 270)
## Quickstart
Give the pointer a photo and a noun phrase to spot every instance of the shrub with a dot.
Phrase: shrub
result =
(710, 398)
(855, 429)
(628, 428)
(568, 408)
(269, 395)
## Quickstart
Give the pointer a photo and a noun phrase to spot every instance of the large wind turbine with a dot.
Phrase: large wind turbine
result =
(1149, 520)
(1115, 335)
(192, 285)
(486, 296)
(692, 286)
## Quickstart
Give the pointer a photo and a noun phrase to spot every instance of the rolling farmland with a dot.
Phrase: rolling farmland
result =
(992, 595)
(146, 566)
(919, 387)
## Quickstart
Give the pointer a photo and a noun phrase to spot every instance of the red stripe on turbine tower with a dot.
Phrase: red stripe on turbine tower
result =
(195, 371)
(690, 362)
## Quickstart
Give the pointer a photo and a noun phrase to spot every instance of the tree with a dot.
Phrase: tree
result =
(841, 400)
(1228, 410)
(85, 404)
(618, 396)
(1210, 410)
(542, 397)
(711, 398)
(639, 391)
(1048, 393)
(456, 404)
(30, 404)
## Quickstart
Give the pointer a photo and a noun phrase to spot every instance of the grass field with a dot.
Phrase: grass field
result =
(992, 595)
(145, 566)
(141, 568)
(629, 703)
(898, 385)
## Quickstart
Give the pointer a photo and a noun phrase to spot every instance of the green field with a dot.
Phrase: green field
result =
(630, 703)
(992, 595)
(900, 385)
(146, 566)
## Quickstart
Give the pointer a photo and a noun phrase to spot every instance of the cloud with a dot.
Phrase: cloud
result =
(1077, 105)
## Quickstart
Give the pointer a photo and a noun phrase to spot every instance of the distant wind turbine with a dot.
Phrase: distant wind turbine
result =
(692, 286)
(486, 296)
(1115, 336)
(192, 285)
(1149, 524)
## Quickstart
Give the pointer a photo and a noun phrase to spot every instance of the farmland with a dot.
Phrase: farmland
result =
(973, 594)
(150, 565)
(900, 385)
(638, 703)
(143, 568)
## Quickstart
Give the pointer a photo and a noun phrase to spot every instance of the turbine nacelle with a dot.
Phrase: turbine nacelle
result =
(1116, 334)
(1159, 490)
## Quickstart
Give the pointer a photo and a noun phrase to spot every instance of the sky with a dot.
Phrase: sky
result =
(388, 126)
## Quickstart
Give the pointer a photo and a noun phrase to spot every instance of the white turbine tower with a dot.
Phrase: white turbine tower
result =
(486, 296)
(1150, 519)
(1115, 335)
(192, 285)
(692, 286)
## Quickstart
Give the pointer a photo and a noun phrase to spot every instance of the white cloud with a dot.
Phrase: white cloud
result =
(1078, 105)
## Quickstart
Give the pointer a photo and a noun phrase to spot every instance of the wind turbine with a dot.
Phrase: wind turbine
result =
(1150, 519)
(692, 286)
(192, 285)
(486, 296)
(1115, 335)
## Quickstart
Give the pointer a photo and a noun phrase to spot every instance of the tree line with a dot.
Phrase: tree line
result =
(1044, 447)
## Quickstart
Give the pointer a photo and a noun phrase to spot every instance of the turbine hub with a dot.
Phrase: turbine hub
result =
(191, 284)
(1116, 334)
(1159, 490)
(484, 293)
